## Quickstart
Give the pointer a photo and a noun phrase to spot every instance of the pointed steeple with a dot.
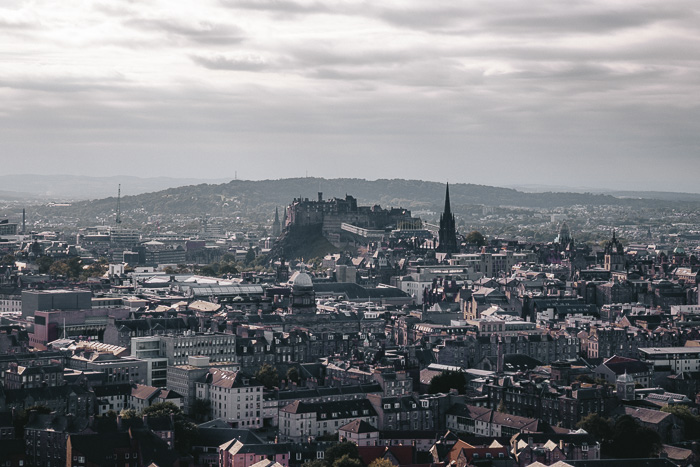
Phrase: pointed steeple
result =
(448, 208)
(447, 234)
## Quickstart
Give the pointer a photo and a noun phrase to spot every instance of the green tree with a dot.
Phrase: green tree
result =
(630, 439)
(44, 263)
(337, 451)
(293, 374)
(328, 437)
(59, 268)
(347, 461)
(476, 238)
(445, 381)
(8, 259)
(185, 430)
(268, 376)
(598, 427)
(381, 463)
(201, 410)
(162, 409)
(691, 422)
(249, 256)
(75, 267)
(315, 463)
(502, 407)
(128, 413)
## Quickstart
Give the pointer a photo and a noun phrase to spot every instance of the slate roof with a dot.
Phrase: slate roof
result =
(358, 426)
(650, 416)
(333, 410)
(621, 365)
(234, 447)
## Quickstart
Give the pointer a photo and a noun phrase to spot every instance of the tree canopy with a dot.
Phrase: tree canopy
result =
(476, 238)
(340, 450)
(268, 376)
(623, 438)
(443, 382)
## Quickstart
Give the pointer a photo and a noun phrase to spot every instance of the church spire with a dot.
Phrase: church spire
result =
(448, 208)
(447, 235)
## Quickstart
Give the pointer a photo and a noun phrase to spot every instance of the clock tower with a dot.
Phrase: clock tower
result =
(625, 387)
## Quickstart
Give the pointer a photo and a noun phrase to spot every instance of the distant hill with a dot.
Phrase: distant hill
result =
(256, 200)
(77, 187)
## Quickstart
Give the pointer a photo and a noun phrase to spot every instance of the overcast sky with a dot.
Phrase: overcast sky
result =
(587, 93)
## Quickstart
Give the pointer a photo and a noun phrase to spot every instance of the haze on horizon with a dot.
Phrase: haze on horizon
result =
(590, 94)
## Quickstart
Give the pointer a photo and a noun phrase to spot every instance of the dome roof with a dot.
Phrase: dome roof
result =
(301, 279)
(625, 378)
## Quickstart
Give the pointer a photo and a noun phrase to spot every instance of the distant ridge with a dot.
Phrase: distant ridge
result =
(256, 200)
(79, 187)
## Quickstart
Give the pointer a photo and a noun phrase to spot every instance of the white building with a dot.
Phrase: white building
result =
(300, 420)
(679, 359)
(233, 397)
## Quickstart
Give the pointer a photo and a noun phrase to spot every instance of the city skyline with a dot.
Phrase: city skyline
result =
(600, 94)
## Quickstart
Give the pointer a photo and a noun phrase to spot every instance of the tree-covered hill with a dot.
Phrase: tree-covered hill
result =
(256, 200)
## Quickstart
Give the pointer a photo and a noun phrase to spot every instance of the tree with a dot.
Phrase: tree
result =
(249, 256)
(691, 422)
(59, 268)
(443, 382)
(328, 437)
(315, 463)
(293, 374)
(44, 263)
(347, 461)
(201, 409)
(381, 463)
(336, 452)
(185, 430)
(598, 427)
(476, 238)
(127, 414)
(268, 376)
(162, 409)
(8, 259)
(75, 267)
(630, 439)
(502, 407)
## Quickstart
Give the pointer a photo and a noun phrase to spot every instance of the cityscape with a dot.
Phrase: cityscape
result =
(345, 233)
(330, 333)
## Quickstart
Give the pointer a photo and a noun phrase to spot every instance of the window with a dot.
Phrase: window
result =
(319, 454)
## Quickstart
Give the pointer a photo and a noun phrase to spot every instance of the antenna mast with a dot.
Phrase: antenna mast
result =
(119, 210)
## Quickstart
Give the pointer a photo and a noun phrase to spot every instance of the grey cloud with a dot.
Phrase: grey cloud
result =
(280, 6)
(202, 33)
(240, 63)
(65, 84)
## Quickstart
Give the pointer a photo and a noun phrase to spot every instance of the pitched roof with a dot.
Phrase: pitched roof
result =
(358, 426)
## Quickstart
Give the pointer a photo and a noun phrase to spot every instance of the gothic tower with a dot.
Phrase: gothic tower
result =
(276, 230)
(614, 255)
(447, 233)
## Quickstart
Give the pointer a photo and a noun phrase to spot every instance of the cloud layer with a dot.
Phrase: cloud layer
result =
(595, 93)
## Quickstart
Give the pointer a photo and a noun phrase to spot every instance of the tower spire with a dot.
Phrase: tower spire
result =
(118, 220)
(448, 208)
(447, 234)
